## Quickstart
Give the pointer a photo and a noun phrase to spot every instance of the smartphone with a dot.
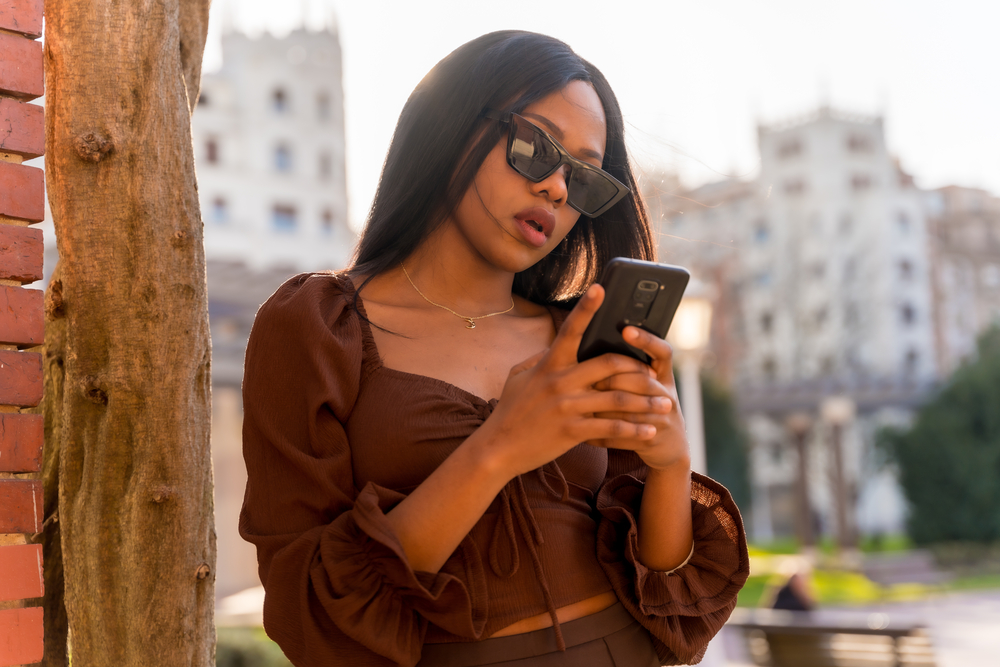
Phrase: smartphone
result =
(636, 293)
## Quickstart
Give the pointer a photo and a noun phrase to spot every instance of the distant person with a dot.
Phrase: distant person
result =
(433, 478)
(794, 595)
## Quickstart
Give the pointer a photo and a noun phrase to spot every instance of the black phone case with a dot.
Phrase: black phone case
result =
(621, 281)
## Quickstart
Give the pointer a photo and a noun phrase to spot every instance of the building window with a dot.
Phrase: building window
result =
(789, 148)
(323, 106)
(766, 321)
(761, 232)
(826, 365)
(325, 165)
(763, 279)
(819, 317)
(905, 270)
(910, 361)
(212, 150)
(860, 182)
(817, 270)
(907, 314)
(279, 100)
(859, 143)
(991, 275)
(203, 100)
(770, 369)
(846, 224)
(284, 218)
(903, 222)
(795, 186)
(850, 270)
(326, 222)
(220, 210)
(283, 158)
(851, 314)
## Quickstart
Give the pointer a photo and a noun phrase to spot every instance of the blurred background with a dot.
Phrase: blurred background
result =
(829, 172)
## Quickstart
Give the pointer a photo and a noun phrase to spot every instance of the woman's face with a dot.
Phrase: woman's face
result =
(513, 223)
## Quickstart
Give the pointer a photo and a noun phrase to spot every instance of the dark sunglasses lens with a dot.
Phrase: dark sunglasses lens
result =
(531, 153)
(590, 189)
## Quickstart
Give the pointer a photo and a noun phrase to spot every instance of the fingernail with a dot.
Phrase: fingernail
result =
(630, 333)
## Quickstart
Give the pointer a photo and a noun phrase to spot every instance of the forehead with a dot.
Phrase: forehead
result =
(574, 115)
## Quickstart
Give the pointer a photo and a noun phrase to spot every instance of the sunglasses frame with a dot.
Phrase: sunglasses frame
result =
(564, 158)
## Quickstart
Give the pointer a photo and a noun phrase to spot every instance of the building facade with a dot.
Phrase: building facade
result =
(823, 274)
(268, 134)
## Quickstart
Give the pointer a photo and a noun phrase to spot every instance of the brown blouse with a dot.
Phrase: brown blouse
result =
(333, 440)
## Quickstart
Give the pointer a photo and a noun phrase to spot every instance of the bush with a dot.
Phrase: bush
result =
(247, 647)
(949, 461)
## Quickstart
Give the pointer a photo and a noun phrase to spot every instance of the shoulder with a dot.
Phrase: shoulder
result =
(308, 310)
(309, 295)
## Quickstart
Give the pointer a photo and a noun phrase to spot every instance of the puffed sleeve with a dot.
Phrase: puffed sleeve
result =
(339, 589)
(684, 608)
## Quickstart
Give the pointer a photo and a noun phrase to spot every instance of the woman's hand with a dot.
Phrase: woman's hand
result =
(550, 402)
(669, 447)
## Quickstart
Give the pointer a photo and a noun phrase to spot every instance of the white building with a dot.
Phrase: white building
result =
(268, 135)
(965, 232)
(269, 146)
(823, 275)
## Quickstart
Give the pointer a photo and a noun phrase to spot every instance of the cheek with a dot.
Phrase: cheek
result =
(566, 219)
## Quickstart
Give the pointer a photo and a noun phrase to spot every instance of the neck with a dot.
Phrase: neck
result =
(467, 286)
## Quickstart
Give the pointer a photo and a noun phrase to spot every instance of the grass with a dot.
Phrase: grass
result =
(975, 566)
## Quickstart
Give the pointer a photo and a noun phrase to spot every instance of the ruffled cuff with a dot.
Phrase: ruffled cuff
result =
(685, 607)
(379, 600)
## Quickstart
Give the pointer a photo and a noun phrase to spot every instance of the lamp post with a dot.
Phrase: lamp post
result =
(689, 335)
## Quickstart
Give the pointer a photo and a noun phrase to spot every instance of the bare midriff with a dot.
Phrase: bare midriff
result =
(565, 614)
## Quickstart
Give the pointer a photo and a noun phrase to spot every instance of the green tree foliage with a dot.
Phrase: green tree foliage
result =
(949, 460)
(726, 444)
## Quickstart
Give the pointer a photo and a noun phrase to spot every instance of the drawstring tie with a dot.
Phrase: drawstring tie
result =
(515, 509)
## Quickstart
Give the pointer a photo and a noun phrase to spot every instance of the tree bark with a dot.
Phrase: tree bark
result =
(128, 359)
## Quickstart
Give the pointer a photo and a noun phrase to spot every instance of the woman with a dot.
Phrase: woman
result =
(433, 478)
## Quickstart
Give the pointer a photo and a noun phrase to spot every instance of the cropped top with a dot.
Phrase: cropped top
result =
(333, 440)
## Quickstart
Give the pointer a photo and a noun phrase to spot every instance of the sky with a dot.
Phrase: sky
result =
(694, 79)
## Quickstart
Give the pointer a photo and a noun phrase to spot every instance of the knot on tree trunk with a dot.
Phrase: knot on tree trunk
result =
(94, 392)
(163, 493)
(179, 239)
(54, 300)
(202, 572)
(93, 146)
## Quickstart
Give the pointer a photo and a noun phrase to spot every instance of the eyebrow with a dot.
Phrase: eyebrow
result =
(555, 129)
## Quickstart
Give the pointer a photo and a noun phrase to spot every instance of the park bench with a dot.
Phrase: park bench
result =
(775, 638)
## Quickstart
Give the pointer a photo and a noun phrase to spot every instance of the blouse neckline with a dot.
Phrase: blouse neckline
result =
(368, 341)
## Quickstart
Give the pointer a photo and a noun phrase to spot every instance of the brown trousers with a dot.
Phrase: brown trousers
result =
(609, 638)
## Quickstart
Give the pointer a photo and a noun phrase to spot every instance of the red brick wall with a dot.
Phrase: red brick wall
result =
(22, 199)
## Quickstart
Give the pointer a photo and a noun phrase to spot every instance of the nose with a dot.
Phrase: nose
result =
(555, 186)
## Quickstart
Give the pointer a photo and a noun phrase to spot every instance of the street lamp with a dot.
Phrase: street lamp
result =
(689, 335)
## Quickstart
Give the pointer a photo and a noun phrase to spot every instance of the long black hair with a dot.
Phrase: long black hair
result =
(430, 163)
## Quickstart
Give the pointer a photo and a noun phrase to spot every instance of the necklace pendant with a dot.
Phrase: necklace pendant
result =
(471, 323)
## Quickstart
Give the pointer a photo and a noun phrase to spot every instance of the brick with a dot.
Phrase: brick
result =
(20, 506)
(21, 72)
(23, 16)
(21, 636)
(21, 253)
(22, 192)
(22, 316)
(22, 128)
(20, 379)
(21, 572)
(21, 439)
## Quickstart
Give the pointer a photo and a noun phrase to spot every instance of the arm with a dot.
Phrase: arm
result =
(547, 407)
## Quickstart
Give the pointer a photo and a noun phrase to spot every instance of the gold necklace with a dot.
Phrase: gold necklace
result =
(470, 320)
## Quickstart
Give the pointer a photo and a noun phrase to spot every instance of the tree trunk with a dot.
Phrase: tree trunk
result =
(128, 358)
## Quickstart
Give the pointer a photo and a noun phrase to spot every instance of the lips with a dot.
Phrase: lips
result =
(536, 225)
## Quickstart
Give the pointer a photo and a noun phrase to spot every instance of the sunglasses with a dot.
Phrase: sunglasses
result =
(533, 153)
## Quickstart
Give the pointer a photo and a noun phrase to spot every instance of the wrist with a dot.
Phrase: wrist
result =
(485, 461)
